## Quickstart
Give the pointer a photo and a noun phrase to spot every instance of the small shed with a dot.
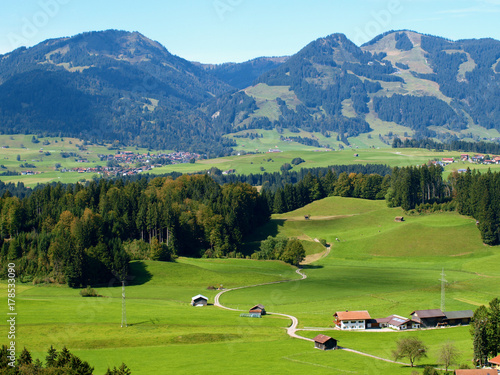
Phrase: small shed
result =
(258, 309)
(199, 300)
(324, 342)
(399, 219)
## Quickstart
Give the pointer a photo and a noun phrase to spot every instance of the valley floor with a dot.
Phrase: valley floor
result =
(376, 264)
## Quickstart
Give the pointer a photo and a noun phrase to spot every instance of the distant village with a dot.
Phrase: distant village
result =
(475, 159)
(120, 164)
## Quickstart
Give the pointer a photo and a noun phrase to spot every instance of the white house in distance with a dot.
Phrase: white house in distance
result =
(199, 300)
(351, 319)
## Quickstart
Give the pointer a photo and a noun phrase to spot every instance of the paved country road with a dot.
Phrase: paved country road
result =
(292, 330)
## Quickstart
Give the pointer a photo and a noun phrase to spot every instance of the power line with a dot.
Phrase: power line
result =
(124, 310)
(443, 284)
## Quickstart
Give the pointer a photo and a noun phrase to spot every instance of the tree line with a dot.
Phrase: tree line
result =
(414, 185)
(85, 235)
(478, 195)
(456, 145)
(311, 188)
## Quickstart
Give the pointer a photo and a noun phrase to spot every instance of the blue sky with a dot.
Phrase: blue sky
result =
(215, 31)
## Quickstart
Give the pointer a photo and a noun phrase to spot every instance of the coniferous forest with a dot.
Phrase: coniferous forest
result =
(87, 234)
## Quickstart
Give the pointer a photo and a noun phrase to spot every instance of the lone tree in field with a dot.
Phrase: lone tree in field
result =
(410, 347)
(294, 252)
(448, 354)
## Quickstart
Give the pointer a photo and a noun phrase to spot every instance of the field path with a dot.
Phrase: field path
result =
(374, 356)
(292, 330)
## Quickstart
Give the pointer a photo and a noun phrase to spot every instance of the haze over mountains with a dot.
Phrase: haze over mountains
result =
(115, 85)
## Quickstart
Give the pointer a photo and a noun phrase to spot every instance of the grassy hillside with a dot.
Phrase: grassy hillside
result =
(375, 264)
(263, 161)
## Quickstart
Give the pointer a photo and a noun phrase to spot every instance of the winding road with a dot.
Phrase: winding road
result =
(292, 329)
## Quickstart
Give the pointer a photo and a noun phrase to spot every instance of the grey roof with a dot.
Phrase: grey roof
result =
(462, 314)
(423, 314)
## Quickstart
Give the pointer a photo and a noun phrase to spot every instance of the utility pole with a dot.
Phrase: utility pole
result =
(443, 284)
(124, 311)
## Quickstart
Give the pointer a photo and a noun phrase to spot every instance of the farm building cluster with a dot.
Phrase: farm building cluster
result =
(474, 159)
(359, 320)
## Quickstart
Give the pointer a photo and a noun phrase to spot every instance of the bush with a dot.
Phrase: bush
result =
(89, 292)
(286, 167)
(298, 161)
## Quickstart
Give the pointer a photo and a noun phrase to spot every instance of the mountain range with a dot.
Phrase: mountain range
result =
(121, 86)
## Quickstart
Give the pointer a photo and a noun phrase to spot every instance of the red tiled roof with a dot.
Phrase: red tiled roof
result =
(352, 315)
(496, 360)
(483, 371)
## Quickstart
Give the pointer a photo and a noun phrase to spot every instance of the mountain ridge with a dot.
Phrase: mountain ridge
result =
(115, 85)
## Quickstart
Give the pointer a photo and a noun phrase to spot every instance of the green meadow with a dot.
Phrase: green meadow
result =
(256, 163)
(375, 264)
(271, 162)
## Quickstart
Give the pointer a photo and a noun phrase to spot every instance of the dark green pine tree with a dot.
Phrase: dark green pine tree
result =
(479, 331)
(494, 327)
(63, 358)
(51, 357)
(328, 182)
(25, 358)
(75, 268)
(279, 202)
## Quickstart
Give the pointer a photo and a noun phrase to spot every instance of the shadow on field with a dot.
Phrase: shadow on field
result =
(311, 266)
(271, 228)
(152, 321)
(139, 273)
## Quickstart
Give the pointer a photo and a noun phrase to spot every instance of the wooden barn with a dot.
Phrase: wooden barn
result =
(258, 309)
(428, 318)
(199, 300)
(456, 318)
(399, 219)
(325, 342)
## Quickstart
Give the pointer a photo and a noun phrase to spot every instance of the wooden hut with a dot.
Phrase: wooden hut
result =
(399, 219)
(199, 300)
(325, 342)
(258, 309)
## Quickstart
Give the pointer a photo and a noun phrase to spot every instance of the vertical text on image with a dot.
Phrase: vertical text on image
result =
(11, 314)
